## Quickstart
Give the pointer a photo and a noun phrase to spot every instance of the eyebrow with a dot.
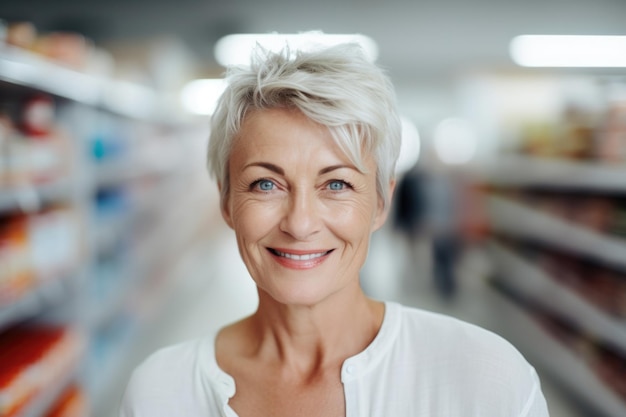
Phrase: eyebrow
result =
(334, 167)
(280, 171)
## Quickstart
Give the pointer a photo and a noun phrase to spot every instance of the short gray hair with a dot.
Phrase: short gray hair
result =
(338, 87)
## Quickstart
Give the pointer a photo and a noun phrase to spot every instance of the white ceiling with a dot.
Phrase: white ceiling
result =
(417, 39)
(424, 44)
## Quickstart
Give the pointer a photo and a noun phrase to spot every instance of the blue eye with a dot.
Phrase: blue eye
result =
(337, 185)
(265, 185)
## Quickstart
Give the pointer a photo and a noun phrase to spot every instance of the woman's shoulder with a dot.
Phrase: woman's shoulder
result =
(468, 365)
(439, 325)
(179, 357)
(183, 373)
(439, 335)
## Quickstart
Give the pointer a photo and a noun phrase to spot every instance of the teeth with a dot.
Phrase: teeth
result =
(306, 257)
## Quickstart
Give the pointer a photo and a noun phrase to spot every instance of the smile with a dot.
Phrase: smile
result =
(303, 257)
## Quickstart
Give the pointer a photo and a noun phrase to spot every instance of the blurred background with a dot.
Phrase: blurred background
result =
(510, 210)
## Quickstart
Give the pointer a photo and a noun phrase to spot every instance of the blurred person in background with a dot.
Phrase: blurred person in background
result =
(445, 206)
(426, 207)
(303, 147)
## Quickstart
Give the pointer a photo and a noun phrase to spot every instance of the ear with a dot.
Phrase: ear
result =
(225, 206)
(383, 210)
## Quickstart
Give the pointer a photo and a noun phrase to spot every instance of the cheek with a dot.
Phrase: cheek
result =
(355, 219)
(252, 219)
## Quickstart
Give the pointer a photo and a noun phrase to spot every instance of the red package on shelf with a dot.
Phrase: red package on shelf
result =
(32, 360)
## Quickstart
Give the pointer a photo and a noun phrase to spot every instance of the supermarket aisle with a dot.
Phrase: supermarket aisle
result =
(214, 288)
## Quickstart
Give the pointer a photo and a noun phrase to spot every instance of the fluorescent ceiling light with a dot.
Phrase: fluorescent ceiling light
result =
(236, 49)
(455, 141)
(568, 51)
(410, 148)
(201, 96)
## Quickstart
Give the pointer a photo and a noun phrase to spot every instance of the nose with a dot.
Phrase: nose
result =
(301, 218)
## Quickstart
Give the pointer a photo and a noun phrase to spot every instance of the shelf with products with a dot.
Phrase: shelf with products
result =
(36, 154)
(556, 207)
(28, 197)
(124, 328)
(39, 258)
(553, 173)
(601, 314)
(566, 257)
(508, 216)
(589, 371)
(72, 402)
(39, 362)
(24, 68)
(36, 300)
(135, 150)
(115, 156)
(141, 234)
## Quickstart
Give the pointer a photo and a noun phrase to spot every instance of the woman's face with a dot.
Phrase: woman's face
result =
(301, 211)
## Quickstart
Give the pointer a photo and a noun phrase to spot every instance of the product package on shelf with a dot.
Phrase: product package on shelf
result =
(612, 147)
(606, 362)
(16, 273)
(571, 137)
(69, 49)
(34, 149)
(72, 403)
(576, 118)
(37, 249)
(35, 360)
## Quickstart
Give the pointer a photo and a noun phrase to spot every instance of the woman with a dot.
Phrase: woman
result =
(303, 148)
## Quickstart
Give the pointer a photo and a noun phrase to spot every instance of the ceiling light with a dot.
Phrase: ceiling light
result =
(568, 51)
(236, 49)
(455, 141)
(410, 148)
(201, 96)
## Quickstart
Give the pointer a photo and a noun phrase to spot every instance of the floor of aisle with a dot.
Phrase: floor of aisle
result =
(213, 288)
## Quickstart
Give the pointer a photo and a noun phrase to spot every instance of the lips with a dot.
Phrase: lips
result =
(299, 259)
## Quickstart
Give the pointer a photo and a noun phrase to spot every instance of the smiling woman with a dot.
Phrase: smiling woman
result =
(302, 213)
(303, 148)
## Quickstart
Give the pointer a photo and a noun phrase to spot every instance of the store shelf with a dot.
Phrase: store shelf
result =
(43, 362)
(26, 69)
(144, 307)
(513, 218)
(552, 357)
(117, 195)
(47, 294)
(520, 171)
(176, 225)
(530, 281)
(104, 369)
(103, 309)
(29, 197)
(121, 171)
(46, 399)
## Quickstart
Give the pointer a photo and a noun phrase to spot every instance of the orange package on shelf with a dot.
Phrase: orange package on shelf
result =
(16, 276)
(72, 403)
(32, 360)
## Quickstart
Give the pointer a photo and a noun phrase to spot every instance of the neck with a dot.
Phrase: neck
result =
(306, 339)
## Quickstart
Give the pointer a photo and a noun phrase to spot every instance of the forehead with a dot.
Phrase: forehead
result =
(290, 126)
(282, 130)
(273, 121)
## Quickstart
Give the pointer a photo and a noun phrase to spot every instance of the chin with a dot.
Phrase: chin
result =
(305, 297)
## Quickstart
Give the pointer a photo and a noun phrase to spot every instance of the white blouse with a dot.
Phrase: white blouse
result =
(420, 364)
